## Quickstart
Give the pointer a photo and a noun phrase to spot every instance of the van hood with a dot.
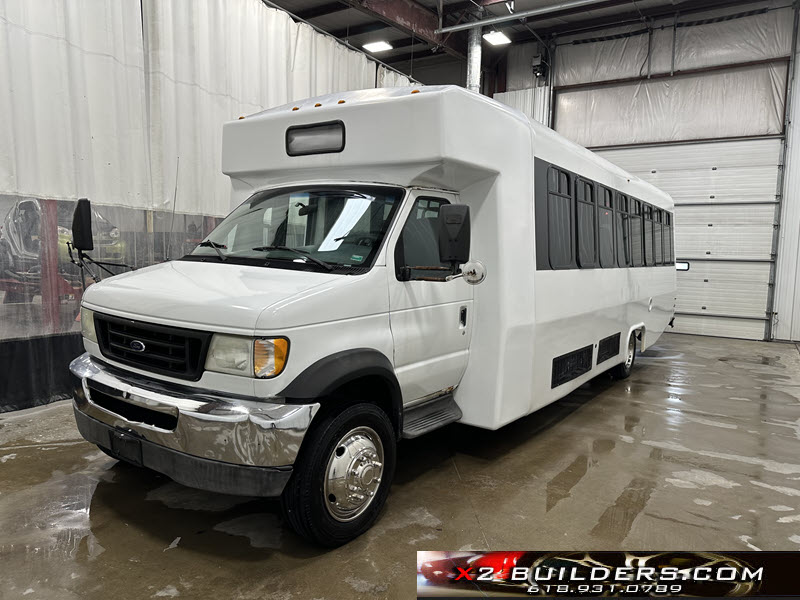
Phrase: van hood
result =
(217, 296)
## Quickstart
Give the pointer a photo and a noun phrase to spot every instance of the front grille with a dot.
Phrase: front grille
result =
(133, 412)
(169, 351)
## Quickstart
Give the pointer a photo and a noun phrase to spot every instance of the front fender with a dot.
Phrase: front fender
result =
(336, 370)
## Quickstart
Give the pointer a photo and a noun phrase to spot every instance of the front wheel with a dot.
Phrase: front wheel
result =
(623, 371)
(342, 476)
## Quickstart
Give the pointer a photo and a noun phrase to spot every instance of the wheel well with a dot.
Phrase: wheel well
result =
(372, 389)
(640, 335)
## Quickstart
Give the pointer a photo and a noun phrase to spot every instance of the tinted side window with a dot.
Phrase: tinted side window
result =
(637, 229)
(658, 239)
(648, 234)
(622, 228)
(669, 256)
(560, 219)
(418, 245)
(605, 217)
(587, 214)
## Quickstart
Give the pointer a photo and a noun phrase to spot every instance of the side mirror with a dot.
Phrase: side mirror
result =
(82, 226)
(454, 233)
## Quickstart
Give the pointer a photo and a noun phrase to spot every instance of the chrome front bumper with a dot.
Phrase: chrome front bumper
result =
(202, 439)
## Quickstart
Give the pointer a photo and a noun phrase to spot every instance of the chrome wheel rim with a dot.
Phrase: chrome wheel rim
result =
(354, 473)
(631, 351)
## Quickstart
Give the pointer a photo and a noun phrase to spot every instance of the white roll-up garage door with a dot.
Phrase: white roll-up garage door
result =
(725, 199)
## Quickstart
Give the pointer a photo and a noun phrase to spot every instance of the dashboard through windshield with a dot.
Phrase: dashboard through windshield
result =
(326, 228)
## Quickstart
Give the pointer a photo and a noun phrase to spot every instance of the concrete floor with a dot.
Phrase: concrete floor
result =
(698, 450)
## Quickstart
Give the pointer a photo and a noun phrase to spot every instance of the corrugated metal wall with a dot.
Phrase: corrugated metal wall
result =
(658, 105)
(724, 195)
(787, 276)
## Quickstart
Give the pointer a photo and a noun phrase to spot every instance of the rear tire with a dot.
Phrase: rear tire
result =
(356, 446)
(623, 370)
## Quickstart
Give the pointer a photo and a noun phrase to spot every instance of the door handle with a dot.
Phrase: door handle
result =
(462, 317)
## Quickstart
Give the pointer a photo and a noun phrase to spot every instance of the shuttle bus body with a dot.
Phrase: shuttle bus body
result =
(295, 378)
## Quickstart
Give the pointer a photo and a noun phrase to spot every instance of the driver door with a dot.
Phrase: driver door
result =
(430, 320)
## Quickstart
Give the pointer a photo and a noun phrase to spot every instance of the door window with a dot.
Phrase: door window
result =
(418, 245)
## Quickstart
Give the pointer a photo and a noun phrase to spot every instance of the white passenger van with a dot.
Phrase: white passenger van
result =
(398, 259)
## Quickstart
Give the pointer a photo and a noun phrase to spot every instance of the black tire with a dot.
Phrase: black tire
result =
(623, 370)
(304, 503)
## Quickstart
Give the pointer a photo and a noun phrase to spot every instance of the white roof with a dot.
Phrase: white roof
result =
(403, 132)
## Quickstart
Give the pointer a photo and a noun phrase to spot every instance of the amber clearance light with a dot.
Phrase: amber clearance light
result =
(269, 357)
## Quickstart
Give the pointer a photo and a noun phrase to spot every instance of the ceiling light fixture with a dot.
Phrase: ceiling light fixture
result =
(377, 46)
(496, 38)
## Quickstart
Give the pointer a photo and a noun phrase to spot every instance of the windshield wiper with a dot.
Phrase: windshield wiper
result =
(302, 253)
(216, 247)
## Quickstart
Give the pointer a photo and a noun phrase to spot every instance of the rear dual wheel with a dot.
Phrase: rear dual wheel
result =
(623, 370)
(342, 476)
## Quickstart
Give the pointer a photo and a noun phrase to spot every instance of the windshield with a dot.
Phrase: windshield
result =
(330, 228)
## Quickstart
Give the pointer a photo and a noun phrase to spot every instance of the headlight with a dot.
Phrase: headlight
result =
(238, 355)
(230, 354)
(87, 325)
(114, 233)
(269, 356)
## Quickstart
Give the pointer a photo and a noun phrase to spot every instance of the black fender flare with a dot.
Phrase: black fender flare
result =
(326, 375)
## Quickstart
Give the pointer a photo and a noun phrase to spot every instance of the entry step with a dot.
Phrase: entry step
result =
(423, 418)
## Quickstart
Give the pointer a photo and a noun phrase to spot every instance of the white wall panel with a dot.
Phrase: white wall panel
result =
(746, 101)
(757, 37)
(98, 102)
(716, 288)
(684, 157)
(758, 215)
(72, 104)
(724, 241)
(748, 329)
(739, 171)
(717, 174)
(519, 75)
(534, 102)
(389, 78)
(210, 62)
(787, 271)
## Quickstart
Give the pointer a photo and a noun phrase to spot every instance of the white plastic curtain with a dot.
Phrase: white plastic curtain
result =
(109, 101)
(534, 102)
(731, 102)
(101, 98)
(745, 39)
(72, 104)
(389, 78)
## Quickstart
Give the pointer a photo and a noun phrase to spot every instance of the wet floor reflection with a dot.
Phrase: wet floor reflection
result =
(691, 452)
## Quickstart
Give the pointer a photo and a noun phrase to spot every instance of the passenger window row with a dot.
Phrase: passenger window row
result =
(590, 225)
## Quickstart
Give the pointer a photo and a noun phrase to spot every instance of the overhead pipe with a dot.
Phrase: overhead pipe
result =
(474, 50)
(518, 15)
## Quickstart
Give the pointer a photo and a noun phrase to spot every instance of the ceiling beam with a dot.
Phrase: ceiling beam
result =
(685, 7)
(424, 55)
(413, 19)
(406, 42)
(358, 29)
(321, 10)
(458, 6)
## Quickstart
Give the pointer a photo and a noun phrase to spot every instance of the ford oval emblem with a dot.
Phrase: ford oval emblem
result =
(137, 346)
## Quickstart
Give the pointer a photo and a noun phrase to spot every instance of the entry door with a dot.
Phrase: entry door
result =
(431, 321)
